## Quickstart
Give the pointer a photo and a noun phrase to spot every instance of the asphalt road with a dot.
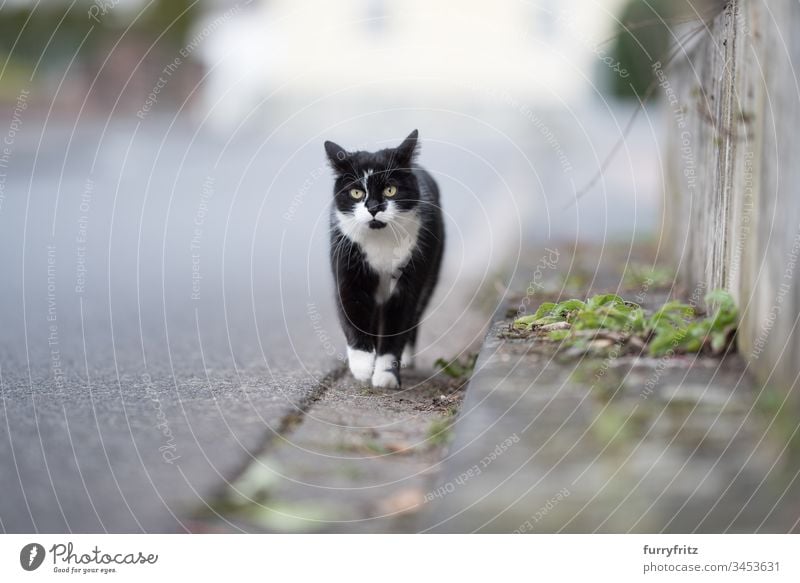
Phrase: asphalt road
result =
(166, 302)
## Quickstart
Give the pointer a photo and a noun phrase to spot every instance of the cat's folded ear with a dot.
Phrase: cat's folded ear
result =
(337, 156)
(407, 151)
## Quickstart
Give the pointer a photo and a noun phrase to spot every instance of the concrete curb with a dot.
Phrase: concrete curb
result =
(629, 444)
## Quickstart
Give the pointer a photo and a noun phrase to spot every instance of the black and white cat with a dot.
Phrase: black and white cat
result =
(387, 238)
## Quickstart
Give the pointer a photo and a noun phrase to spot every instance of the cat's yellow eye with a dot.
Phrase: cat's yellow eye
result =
(357, 193)
(390, 191)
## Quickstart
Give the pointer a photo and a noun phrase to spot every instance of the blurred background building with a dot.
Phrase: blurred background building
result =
(242, 52)
(424, 52)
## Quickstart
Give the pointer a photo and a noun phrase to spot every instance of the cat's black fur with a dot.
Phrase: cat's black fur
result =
(385, 254)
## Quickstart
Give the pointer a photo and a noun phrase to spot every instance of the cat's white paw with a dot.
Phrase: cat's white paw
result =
(407, 360)
(361, 362)
(385, 379)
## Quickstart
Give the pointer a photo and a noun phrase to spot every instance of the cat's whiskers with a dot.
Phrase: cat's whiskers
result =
(339, 244)
(422, 226)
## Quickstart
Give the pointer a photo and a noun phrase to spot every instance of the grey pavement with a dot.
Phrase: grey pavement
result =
(360, 460)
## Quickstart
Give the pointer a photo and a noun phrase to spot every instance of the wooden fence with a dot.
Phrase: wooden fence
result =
(732, 202)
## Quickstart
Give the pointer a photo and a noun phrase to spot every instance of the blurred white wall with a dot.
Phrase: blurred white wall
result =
(422, 50)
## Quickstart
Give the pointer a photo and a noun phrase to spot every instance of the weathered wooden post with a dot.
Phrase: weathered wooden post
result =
(732, 203)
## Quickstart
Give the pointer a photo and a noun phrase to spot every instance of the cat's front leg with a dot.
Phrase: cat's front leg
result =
(396, 317)
(387, 371)
(410, 348)
(361, 362)
(358, 314)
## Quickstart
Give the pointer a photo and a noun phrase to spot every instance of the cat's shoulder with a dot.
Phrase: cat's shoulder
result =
(428, 189)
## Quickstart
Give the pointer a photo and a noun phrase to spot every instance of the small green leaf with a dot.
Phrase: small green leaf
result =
(544, 310)
(603, 300)
(720, 297)
(718, 341)
(565, 308)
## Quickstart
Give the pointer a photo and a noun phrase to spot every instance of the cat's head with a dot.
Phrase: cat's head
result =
(374, 189)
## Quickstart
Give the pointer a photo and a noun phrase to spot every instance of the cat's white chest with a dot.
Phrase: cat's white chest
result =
(387, 251)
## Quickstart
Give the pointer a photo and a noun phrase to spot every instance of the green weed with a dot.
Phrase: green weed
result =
(440, 431)
(673, 328)
(459, 367)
